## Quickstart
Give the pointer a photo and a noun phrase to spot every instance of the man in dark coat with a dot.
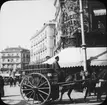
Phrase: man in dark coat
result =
(57, 69)
(1, 86)
(11, 81)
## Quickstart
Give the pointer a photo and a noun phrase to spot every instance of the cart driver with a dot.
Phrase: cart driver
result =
(57, 69)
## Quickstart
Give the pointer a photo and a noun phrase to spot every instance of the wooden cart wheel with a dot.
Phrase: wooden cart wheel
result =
(35, 88)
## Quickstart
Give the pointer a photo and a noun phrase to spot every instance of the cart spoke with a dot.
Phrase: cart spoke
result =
(43, 92)
(33, 97)
(28, 93)
(43, 88)
(42, 84)
(41, 97)
(37, 97)
(30, 96)
(39, 81)
(28, 85)
(26, 89)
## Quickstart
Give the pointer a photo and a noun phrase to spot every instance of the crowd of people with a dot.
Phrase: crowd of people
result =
(12, 81)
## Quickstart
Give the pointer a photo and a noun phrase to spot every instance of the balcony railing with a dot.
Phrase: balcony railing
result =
(10, 56)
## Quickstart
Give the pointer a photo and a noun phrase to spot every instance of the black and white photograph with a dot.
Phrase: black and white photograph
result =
(53, 52)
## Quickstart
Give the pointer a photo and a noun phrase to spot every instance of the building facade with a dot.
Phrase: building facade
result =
(58, 31)
(14, 59)
(67, 23)
(42, 43)
(68, 26)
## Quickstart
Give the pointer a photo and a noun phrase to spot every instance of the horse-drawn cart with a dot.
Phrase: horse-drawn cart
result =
(40, 84)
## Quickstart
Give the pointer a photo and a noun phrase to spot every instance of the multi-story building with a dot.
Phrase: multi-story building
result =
(42, 43)
(68, 33)
(68, 25)
(14, 58)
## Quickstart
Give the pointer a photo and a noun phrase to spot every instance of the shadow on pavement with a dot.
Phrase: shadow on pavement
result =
(63, 102)
(76, 101)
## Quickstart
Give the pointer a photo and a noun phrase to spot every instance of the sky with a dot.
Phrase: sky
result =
(19, 21)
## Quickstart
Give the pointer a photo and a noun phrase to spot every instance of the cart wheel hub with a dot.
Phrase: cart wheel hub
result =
(35, 89)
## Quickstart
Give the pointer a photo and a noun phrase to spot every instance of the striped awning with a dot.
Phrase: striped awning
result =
(99, 63)
(99, 12)
(73, 57)
(68, 57)
(97, 56)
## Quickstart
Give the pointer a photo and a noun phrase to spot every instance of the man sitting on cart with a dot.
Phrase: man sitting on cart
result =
(58, 70)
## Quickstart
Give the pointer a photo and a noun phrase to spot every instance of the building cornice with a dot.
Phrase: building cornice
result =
(14, 49)
(42, 29)
(39, 31)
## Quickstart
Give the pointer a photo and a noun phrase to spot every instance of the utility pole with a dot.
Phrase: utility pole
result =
(83, 39)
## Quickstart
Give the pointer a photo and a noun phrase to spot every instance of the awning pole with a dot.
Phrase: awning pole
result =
(83, 38)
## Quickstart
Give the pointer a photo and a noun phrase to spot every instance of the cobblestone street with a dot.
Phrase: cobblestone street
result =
(13, 97)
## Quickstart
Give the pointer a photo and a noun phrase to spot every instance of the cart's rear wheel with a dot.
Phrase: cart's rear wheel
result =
(35, 88)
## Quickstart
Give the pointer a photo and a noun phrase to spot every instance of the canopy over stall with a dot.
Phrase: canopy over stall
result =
(100, 12)
(97, 56)
(4, 75)
(72, 57)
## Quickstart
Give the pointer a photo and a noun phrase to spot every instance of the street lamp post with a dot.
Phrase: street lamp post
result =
(83, 39)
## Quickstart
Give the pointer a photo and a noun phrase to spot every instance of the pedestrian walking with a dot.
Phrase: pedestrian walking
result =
(11, 81)
(20, 79)
(14, 81)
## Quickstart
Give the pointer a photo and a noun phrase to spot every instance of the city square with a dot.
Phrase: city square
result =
(53, 52)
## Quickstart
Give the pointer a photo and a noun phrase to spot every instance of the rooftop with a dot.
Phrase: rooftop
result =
(13, 49)
(44, 26)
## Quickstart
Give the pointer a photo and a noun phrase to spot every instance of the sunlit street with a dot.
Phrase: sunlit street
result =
(13, 97)
(53, 52)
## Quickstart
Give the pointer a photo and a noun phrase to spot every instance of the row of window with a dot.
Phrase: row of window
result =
(11, 60)
(40, 60)
(11, 54)
(26, 55)
(39, 44)
(11, 66)
(25, 60)
(37, 57)
(38, 39)
(39, 50)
